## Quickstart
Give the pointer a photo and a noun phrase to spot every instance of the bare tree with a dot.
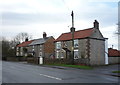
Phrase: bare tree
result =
(21, 37)
(7, 50)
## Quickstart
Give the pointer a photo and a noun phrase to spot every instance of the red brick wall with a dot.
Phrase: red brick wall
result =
(49, 46)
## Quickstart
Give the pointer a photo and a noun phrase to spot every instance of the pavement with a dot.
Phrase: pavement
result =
(14, 72)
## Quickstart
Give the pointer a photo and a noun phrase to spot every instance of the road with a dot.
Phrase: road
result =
(0, 71)
(14, 72)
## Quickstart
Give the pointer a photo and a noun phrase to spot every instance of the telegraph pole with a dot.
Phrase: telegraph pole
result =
(72, 14)
(72, 32)
(119, 25)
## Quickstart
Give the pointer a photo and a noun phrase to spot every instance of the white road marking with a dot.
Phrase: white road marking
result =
(51, 77)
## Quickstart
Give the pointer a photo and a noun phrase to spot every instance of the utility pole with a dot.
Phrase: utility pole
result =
(72, 33)
(119, 25)
(72, 14)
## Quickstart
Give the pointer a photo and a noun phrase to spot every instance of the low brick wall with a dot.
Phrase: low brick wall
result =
(114, 60)
(15, 59)
(56, 61)
(82, 61)
(33, 60)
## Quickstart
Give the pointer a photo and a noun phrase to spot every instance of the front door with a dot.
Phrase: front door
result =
(40, 58)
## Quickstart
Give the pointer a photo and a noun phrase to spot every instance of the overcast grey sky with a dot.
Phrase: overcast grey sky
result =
(54, 17)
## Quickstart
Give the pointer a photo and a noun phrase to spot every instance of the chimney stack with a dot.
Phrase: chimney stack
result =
(96, 24)
(44, 35)
(26, 39)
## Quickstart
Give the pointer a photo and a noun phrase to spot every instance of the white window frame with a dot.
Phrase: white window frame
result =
(76, 42)
(58, 45)
(40, 46)
(74, 53)
(33, 48)
(40, 54)
(57, 54)
(21, 53)
(17, 48)
(62, 55)
(17, 53)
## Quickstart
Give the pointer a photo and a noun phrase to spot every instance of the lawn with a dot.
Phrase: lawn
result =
(73, 66)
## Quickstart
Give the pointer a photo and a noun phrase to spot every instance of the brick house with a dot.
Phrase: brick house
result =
(89, 46)
(42, 47)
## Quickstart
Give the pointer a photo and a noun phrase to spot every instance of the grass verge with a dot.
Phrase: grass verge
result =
(115, 71)
(73, 66)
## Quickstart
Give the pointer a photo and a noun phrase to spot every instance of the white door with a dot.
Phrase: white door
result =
(40, 58)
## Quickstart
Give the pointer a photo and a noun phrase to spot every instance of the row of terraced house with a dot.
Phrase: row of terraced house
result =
(90, 47)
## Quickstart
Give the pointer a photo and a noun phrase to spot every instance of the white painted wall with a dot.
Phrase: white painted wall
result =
(106, 51)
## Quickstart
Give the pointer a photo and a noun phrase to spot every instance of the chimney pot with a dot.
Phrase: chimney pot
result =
(26, 39)
(44, 35)
(96, 24)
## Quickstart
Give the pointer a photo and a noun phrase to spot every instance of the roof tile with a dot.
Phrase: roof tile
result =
(24, 44)
(77, 35)
(113, 52)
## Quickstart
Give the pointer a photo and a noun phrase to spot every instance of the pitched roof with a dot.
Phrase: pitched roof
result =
(39, 41)
(34, 42)
(24, 44)
(77, 35)
(113, 52)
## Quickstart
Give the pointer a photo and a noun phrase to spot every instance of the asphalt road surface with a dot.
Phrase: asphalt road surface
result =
(16, 72)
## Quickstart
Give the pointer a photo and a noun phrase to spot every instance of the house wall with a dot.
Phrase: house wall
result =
(49, 48)
(20, 51)
(37, 50)
(82, 48)
(30, 49)
(61, 50)
(97, 52)
(97, 34)
(113, 60)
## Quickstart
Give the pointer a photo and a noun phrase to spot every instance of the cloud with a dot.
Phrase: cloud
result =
(53, 16)
(83, 11)
(24, 19)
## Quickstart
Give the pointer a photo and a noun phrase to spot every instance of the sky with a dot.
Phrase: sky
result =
(54, 17)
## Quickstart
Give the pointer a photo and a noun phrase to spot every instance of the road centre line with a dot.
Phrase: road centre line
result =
(51, 77)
